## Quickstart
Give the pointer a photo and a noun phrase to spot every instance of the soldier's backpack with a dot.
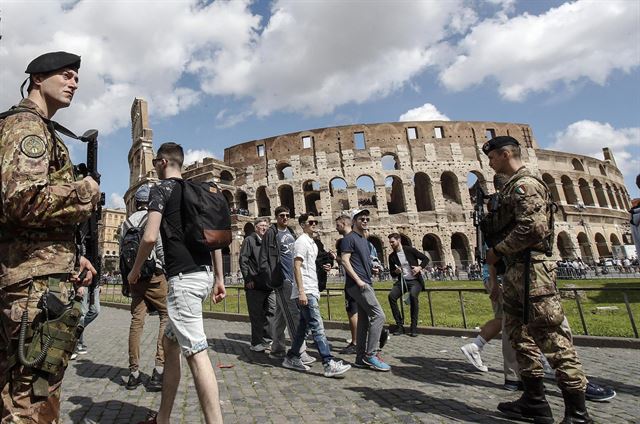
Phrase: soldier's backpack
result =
(129, 250)
(206, 218)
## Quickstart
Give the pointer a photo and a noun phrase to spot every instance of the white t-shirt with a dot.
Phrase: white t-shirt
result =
(306, 249)
(407, 272)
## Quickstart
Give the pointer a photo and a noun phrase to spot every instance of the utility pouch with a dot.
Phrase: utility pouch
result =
(54, 339)
(545, 311)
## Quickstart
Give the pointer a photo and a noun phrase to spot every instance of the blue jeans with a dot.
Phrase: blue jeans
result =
(90, 311)
(310, 319)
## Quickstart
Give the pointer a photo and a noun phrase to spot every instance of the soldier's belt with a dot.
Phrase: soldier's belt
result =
(535, 256)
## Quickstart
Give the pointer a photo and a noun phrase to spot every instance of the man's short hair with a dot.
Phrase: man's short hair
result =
(395, 236)
(345, 219)
(260, 221)
(280, 209)
(172, 152)
(515, 150)
(304, 217)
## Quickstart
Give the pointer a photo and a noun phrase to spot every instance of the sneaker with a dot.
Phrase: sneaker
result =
(412, 333)
(155, 382)
(384, 337)
(81, 349)
(294, 364)
(513, 386)
(258, 348)
(306, 358)
(335, 368)
(398, 330)
(472, 353)
(359, 363)
(596, 393)
(278, 353)
(133, 382)
(349, 350)
(74, 355)
(375, 362)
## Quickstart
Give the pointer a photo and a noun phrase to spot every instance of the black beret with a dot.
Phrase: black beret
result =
(53, 61)
(498, 142)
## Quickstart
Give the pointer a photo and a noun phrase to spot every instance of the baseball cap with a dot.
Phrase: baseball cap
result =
(357, 212)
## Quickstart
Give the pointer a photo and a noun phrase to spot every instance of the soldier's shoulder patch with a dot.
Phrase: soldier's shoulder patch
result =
(521, 190)
(33, 146)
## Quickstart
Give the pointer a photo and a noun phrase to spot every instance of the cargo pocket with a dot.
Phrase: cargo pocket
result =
(543, 279)
(545, 311)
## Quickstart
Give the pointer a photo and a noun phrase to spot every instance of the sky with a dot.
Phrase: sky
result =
(219, 73)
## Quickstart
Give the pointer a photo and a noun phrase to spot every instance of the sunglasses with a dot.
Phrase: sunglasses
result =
(283, 215)
(364, 219)
(312, 222)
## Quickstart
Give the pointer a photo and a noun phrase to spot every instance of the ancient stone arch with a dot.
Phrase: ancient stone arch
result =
(551, 183)
(601, 243)
(475, 179)
(226, 176)
(366, 188)
(264, 204)
(285, 171)
(569, 190)
(379, 246)
(600, 195)
(432, 245)
(565, 246)
(585, 192)
(339, 195)
(618, 197)
(460, 249)
(389, 162)
(242, 200)
(450, 188)
(395, 195)
(586, 253)
(311, 192)
(405, 240)
(285, 194)
(229, 197)
(577, 165)
(423, 192)
(612, 199)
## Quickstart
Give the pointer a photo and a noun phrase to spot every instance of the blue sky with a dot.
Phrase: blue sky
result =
(220, 73)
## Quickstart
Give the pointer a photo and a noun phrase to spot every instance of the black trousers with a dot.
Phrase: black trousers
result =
(414, 288)
(262, 308)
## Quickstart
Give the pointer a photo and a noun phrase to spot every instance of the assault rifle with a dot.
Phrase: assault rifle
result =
(478, 216)
(88, 231)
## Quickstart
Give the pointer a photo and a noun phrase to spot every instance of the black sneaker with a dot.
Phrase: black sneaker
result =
(133, 382)
(155, 382)
(384, 337)
(398, 330)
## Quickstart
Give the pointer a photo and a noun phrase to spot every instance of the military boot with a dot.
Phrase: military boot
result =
(575, 411)
(532, 405)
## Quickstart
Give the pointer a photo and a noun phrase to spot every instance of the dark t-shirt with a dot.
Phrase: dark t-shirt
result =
(286, 242)
(166, 198)
(360, 259)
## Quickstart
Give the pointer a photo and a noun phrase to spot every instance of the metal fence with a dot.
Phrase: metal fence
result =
(234, 302)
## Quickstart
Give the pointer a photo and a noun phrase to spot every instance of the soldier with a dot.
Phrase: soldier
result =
(524, 220)
(41, 204)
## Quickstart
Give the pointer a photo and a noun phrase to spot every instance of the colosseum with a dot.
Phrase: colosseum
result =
(416, 178)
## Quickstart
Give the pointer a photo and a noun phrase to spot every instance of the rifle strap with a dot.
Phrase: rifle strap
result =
(53, 125)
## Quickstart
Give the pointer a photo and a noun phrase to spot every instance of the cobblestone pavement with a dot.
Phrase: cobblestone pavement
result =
(430, 382)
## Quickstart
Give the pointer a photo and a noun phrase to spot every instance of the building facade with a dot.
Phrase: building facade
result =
(416, 178)
(108, 238)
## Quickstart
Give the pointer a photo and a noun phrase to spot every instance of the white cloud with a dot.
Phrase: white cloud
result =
(589, 137)
(116, 201)
(426, 112)
(525, 54)
(192, 156)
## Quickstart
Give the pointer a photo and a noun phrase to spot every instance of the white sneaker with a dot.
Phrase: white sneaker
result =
(335, 368)
(472, 353)
(258, 348)
(307, 359)
(294, 364)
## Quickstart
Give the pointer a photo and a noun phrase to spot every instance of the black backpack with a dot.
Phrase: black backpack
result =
(206, 218)
(128, 252)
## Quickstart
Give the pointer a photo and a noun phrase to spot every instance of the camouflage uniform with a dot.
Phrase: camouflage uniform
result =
(40, 205)
(523, 211)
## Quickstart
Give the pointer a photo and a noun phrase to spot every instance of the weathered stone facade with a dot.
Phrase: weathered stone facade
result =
(415, 178)
(108, 237)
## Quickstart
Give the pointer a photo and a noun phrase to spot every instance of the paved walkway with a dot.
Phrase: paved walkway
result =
(430, 382)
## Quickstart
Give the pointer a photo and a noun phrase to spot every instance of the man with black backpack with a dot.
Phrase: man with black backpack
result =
(148, 294)
(190, 269)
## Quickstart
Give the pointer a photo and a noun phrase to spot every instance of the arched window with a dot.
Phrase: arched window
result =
(226, 177)
(432, 245)
(551, 183)
(264, 204)
(585, 192)
(603, 170)
(450, 189)
(475, 179)
(423, 192)
(615, 241)
(227, 195)
(285, 171)
(311, 190)
(565, 247)
(390, 162)
(460, 249)
(600, 195)
(377, 244)
(577, 165)
(585, 248)
(612, 199)
(405, 240)
(569, 190)
(618, 197)
(366, 192)
(339, 196)
(241, 200)
(395, 194)
(285, 193)
(601, 244)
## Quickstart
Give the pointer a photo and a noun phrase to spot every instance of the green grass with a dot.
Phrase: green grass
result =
(447, 311)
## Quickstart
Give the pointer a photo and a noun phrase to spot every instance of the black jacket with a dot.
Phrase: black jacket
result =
(412, 255)
(250, 262)
(270, 269)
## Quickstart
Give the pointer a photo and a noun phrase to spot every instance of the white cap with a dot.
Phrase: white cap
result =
(356, 212)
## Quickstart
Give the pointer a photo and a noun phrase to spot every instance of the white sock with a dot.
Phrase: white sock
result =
(159, 369)
(136, 374)
(480, 342)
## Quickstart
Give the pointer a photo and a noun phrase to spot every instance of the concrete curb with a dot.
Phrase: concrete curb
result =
(590, 341)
